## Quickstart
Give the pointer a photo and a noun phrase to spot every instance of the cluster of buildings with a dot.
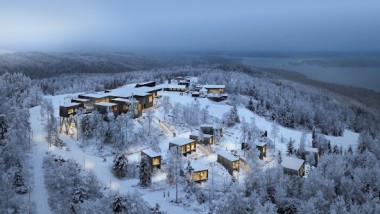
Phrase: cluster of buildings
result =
(132, 98)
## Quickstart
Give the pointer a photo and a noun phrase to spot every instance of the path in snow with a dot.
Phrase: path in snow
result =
(39, 194)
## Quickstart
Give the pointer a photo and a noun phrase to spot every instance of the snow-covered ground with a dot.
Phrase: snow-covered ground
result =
(217, 174)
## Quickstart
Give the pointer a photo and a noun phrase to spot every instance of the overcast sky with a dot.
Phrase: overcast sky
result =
(219, 25)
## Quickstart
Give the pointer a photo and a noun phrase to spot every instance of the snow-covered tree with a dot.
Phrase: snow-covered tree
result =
(145, 173)
(290, 147)
(166, 105)
(3, 126)
(275, 131)
(120, 165)
(174, 167)
(231, 118)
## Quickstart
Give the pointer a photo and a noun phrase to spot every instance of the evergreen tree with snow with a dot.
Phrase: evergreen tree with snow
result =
(290, 147)
(145, 173)
(3, 127)
(120, 166)
(231, 117)
(250, 105)
(166, 105)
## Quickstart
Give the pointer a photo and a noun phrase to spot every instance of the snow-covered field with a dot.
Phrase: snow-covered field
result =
(91, 160)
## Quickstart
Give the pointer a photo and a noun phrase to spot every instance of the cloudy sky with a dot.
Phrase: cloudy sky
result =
(219, 25)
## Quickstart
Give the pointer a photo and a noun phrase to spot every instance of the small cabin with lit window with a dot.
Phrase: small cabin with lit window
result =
(104, 107)
(69, 109)
(198, 171)
(174, 87)
(185, 145)
(229, 161)
(215, 89)
(128, 105)
(293, 166)
(205, 139)
(154, 158)
(262, 147)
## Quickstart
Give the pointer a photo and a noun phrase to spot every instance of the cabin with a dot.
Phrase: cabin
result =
(262, 147)
(154, 91)
(145, 99)
(230, 162)
(207, 138)
(210, 129)
(174, 87)
(84, 102)
(146, 84)
(154, 158)
(215, 89)
(199, 172)
(127, 105)
(198, 87)
(104, 107)
(69, 109)
(314, 153)
(93, 99)
(185, 145)
(203, 92)
(217, 97)
(293, 166)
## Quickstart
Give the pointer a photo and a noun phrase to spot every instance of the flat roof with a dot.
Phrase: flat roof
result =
(151, 153)
(181, 141)
(198, 166)
(292, 163)
(95, 95)
(311, 149)
(214, 86)
(105, 104)
(70, 105)
(81, 99)
(261, 144)
(125, 100)
(171, 86)
(228, 156)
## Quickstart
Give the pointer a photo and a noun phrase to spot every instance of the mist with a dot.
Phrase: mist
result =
(170, 25)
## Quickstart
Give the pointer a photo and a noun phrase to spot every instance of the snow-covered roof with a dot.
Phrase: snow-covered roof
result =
(261, 144)
(105, 104)
(207, 135)
(71, 105)
(125, 100)
(214, 86)
(213, 126)
(171, 86)
(228, 156)
(81, 99)
(311, 149)
(181, 141)
(96, 95)
(151, 153)
(292, 163)
(198, 166)
(203, 90)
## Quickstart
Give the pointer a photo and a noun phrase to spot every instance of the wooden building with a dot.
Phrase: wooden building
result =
(104, 107)
(199, 172)
(174, 87)
(217, 97)
(210, 129)
(145, 99)
(186, 145)
(293, 166)
(230, 162)
(93, 99)
(84, 102)
(66, 113)
(207, 139)
(154, 158)
(313, 152)
(215, 89)
(262, 147)
(128, 105)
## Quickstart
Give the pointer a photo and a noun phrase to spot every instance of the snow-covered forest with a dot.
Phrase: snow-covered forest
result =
(97, 167)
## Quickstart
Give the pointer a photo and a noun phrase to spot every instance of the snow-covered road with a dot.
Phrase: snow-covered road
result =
(39, 194)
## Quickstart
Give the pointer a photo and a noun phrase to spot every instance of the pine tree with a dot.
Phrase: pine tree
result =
(290, 147)
(250, 105)
(145, 173)
(120, 166)
(3, 126)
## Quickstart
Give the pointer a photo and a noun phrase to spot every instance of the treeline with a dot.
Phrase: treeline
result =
(17, 94)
